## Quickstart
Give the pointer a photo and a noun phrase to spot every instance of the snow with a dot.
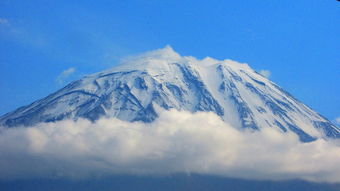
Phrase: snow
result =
(114, 92)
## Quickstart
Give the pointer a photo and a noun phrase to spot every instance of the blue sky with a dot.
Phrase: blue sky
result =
(45, 44)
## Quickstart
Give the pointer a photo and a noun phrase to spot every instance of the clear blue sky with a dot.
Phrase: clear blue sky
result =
(297, 41)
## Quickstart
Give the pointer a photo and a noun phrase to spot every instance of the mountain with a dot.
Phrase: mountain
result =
(139, 88)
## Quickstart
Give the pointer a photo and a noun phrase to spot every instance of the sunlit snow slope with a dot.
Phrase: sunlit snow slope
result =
(144, 85)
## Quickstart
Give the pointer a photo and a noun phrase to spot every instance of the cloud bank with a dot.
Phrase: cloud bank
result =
(177, 142)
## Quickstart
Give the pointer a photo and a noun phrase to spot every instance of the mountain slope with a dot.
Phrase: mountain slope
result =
(142, 86)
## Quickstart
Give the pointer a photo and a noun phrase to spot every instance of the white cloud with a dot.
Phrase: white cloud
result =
(4, 21)
(337, 120)
(177, 142)
(64, 75)
(265, 73)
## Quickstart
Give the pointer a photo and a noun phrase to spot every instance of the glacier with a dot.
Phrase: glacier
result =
(142, 86)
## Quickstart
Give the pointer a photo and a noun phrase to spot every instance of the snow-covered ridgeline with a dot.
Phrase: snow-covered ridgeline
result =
(142, 86)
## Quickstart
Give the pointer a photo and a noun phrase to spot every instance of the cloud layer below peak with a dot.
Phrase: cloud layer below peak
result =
(177, 142)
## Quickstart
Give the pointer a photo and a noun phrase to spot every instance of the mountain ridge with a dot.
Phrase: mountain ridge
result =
(163, 79)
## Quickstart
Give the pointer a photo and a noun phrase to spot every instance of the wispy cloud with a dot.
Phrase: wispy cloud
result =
(4, 21)
(64, 75)
(18, 33)
(337, 120)
(177, 142)
(265, 73)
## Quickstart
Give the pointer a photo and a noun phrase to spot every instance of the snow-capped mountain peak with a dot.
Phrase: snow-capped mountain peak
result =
(164, 79)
